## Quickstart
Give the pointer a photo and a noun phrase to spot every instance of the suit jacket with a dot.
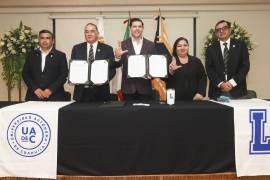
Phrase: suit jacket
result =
(238, 67)
(52, 77)
(131, 85)
(103, 51)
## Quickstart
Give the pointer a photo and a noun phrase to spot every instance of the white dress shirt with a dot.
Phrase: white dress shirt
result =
(223, 46)
(43, 58)
(94, 48)
(137, 45)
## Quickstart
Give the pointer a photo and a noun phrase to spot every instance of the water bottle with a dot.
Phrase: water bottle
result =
(170, 96)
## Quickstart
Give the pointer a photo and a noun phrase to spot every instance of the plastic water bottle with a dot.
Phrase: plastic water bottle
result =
(170, 96)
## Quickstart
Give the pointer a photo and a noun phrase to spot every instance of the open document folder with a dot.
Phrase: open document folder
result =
(81, 72)
(141, 66)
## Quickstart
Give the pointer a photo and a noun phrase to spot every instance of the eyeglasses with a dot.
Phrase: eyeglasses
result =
(224, 28)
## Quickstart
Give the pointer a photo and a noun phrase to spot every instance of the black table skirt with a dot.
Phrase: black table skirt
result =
(7, 103)
(189, 137)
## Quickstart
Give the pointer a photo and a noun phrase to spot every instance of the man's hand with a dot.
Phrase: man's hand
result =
(47, 93)
(118, 52)
(226, 86)
(173, 66)
(39, 93)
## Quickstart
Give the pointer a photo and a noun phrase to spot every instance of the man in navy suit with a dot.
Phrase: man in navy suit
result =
(45, 71)
(135, 88)
(227, 64)
(99, 51)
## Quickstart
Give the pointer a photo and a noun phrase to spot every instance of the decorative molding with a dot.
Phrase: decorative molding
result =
(134, 9)
(83, 3)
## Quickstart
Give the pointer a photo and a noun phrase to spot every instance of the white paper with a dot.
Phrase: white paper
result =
(136, 66)
(99, 72)
(78, 72)
(141, 104)
(157, 66)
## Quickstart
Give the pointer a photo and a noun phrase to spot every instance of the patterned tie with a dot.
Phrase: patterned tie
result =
(90, 59)
(91, 54)
(226, 57)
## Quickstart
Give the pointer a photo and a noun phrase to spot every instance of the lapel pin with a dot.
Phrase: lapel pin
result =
(233, 46)
(98, 50)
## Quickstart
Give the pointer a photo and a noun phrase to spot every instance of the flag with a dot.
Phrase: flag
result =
(163, 47)
(161, 39)
(117, 80)
(101, 38)
(127, 32)
(126, 36)
(100, 26)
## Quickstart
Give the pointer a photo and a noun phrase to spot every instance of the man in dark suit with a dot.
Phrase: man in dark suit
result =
(45, 71)
(135, 88)
(92, 49)
(227, 64)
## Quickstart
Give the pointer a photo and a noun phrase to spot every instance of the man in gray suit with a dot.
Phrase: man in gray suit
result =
(227, 64)
(135, 88)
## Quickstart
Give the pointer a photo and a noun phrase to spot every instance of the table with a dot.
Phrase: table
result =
(102, 140)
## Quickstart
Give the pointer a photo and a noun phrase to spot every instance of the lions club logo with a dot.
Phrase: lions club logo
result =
(28, 134)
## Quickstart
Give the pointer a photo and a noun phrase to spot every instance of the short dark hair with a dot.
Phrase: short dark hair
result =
(175, 44)
(92, 25)
(46, 31)
(135, 19)
(223, 21)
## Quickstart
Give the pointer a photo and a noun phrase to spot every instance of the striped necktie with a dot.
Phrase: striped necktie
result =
(91, 54)
(226, 57)
(90, 59)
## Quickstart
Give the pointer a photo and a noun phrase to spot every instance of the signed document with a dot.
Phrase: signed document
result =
(99, 71)
(136, 66)
(78, 72)
(158, 66)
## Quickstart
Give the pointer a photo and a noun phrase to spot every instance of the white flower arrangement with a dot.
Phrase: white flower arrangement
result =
(18, 41)
(13, 48)
(238, 32)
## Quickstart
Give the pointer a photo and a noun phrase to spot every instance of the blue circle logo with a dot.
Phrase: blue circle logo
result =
(28, 134)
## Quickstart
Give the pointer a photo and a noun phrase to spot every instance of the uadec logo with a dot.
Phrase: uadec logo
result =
(28, 134)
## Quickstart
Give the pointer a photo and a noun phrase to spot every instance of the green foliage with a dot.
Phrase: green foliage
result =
(13, 48)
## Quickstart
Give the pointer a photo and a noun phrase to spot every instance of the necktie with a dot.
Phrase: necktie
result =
(90, 59)
(226, 57)
(91, 54)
